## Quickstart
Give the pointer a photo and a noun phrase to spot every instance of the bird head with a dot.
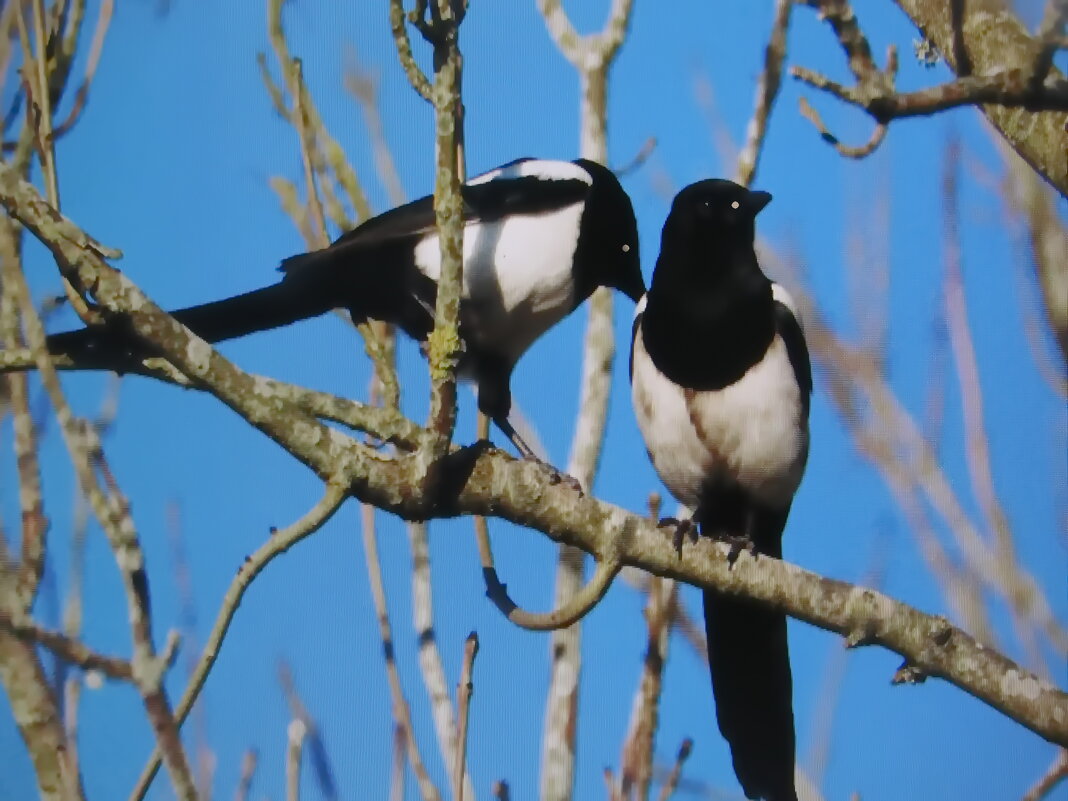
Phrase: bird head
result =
(716, 211)
(612, 234)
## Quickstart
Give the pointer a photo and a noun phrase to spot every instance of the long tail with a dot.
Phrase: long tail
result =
(288, 301)
(751, 681)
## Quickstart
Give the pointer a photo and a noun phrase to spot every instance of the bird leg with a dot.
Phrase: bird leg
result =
(683, 529)
(527, 453)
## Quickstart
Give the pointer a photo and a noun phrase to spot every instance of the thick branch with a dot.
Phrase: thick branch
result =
(483, 480)
(994, 40)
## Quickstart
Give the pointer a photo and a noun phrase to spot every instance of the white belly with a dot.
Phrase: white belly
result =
(517, 276)
(752, 434)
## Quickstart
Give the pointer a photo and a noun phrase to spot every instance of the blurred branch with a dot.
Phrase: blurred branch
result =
(592, 57)
(1054, 776)
(430, 662)
(396, 773)
(279, 542)
(463, 699)
(322, 157)
(977, 445)
(636, 768)
(672, 782)
(324, 773)
(69, 650)
(248, 770)
(294, 749)
(868, 404)
(183, 579)
(81, 97)
(766, 92)
(402, 713)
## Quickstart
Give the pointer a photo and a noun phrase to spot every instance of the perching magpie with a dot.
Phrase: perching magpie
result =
(721, 382)
(539, 237)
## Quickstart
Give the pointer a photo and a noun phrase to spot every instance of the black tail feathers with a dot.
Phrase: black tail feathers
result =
(753, 687)
(286, 302)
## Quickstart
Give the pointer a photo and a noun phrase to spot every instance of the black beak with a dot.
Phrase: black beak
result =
(757, 200)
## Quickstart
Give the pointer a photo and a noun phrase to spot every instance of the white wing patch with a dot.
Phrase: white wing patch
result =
(779, 293)
(546, 169)
(517, 275)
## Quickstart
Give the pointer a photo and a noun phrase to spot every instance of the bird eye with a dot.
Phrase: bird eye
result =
(626, 248)
(735, 204)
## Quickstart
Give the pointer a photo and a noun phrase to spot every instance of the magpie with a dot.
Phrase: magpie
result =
(721, 384)
(539, 237)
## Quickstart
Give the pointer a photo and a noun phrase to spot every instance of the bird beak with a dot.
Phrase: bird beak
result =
(757, 201)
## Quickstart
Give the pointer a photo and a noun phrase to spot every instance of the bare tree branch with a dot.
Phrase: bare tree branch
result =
(402, 714)
(1054, 776)
(766, 92)
(592, 57)
(486, 481)
(464, 690)
(992, 41)
(430, 662)
(279, 542)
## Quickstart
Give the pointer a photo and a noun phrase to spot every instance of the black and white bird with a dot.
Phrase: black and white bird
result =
(539, 237)
(721, 382)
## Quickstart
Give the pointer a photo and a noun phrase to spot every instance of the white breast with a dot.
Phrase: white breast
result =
(517, 275)
(752, 434)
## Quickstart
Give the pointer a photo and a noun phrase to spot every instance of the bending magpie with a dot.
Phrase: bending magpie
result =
(721, 382)
(539, 237)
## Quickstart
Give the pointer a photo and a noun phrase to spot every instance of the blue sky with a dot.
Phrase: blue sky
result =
(171, 163)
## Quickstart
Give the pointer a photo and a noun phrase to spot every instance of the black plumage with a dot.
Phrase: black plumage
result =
(721, 383)
(539, 237)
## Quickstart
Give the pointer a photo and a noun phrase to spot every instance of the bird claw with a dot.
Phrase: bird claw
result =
(683, 528)
(737, 545)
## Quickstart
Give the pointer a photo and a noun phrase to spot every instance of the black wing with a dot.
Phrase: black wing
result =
(633, 339)
(483, 202)
(794, 339)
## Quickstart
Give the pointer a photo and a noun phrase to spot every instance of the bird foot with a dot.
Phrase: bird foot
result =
(683, 529)
(556, 476)
(737, 545)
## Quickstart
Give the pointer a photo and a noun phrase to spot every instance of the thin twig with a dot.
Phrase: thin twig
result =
(1057, 772)
(294, 750)
(592, 56)
(81, 97)
(672, 782)
(324, 773)
(279, 542)
(977, 445)
(430, 662)
(766, 92)
(396, 772)
(69, 650)
(878, 134)
(402, 714)
(463, 699)
(248, 770)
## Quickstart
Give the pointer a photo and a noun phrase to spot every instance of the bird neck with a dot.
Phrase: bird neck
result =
(706, 324)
